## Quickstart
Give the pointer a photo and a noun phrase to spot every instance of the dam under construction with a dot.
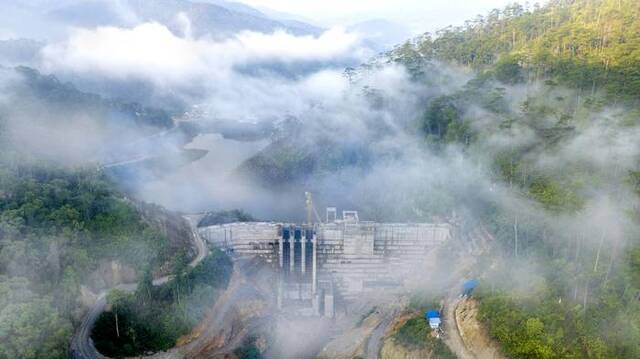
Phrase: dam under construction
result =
(323, 265)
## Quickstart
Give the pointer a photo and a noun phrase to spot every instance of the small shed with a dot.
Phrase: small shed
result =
(433, 317)
(469, 286)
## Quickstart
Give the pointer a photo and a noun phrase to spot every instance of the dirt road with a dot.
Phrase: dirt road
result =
(81, 344)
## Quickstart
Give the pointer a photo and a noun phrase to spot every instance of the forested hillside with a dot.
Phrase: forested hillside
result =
(154, 317)
(548, 110)
(59, 224)
(59, 96)
(585, 44)
(56, 227)
(53, 120)
(552, 111)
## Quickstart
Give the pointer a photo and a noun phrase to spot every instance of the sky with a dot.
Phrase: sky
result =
(418, 16)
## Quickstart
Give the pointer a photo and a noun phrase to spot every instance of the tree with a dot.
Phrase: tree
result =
(439, 115)
(145, 287)
(30, 326)
(117, 299)
(508, 70)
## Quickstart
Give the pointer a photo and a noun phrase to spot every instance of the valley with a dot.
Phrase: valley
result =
(283, 179)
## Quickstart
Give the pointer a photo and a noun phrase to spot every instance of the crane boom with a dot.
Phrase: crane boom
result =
(311, 210)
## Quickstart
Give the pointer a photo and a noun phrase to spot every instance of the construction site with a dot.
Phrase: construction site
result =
(325, 262)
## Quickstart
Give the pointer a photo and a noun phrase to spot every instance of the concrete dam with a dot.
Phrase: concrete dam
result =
(324, 264)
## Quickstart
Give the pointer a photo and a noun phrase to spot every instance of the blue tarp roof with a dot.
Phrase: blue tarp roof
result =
(470, 284)
(432, 314)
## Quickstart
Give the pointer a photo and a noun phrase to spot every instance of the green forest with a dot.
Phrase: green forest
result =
(154, 317)
(544, 76)
(589, 45)
(56, 226)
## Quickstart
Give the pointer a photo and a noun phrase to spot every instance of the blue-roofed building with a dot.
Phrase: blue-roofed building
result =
(433, 317)
(469, 286)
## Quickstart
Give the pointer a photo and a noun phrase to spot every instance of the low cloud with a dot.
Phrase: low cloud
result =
(152, 52)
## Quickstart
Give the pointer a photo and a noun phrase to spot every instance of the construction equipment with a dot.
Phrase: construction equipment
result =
(311, 210)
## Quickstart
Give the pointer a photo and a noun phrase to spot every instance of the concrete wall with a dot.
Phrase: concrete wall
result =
(368, 257)
(356, 257)
(246, 239)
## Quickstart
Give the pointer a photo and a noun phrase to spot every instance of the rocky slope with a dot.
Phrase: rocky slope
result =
(393, 349)
(474, 335)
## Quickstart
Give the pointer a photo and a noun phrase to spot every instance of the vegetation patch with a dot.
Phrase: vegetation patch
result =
(224, 217)
(416, 334)
(56, 226)
(153, 318)
(249, 349)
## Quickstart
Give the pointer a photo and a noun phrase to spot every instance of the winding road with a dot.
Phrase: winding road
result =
(452, 338)
(479, 240)
(372, 350)
(81, 344)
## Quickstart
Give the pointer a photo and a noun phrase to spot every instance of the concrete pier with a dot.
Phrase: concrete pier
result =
(314, 270)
